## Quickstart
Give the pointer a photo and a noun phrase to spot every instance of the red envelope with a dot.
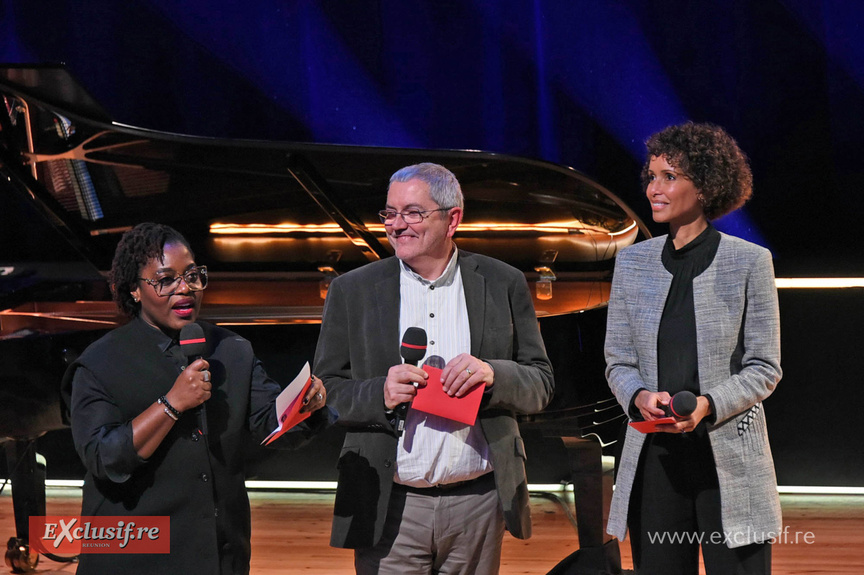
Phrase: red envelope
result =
(650, 426)
(432, 399)
(288, 404)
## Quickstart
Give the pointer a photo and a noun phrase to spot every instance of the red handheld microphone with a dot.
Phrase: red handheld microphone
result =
(193, 344)
(682, 404)
(412, 350)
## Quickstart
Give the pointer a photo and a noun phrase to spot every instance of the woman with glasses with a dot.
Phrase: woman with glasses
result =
(159, 437)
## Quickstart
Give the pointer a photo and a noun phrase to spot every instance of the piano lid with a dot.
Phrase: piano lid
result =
(265, 217)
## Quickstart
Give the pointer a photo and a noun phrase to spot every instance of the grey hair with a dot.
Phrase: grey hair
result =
(444, 188)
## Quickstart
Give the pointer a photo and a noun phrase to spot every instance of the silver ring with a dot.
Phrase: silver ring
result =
(206, 375)
(470, 373)
(319, 396)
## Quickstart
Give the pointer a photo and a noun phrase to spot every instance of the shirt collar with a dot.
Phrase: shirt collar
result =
(445, 279)
(694, 244)
(159, 337)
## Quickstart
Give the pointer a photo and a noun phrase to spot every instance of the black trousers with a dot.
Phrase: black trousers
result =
(675, 509)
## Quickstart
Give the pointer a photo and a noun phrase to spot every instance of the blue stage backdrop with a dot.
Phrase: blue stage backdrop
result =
(579, 82)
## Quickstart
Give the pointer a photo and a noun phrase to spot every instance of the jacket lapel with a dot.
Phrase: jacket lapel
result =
(474, 285)
(387, 314)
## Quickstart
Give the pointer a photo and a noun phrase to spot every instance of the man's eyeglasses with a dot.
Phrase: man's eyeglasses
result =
(387, 217)
(195, 278)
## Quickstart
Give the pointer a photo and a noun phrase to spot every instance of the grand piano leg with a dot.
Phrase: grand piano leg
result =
(27, 476)
(598, 553)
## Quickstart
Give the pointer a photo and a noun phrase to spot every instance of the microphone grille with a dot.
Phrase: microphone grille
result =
(435, 361)
(683, 403)
(413, 346)
(192, 340)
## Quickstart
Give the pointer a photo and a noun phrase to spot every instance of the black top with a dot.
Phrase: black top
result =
(196, 479)
(677, 359)
(677, 356)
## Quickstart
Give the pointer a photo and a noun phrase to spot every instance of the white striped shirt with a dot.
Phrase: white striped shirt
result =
(434, 450)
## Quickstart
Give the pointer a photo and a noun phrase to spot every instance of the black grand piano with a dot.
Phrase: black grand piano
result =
(275, 222)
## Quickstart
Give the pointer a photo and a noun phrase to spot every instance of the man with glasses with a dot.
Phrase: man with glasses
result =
(437, 497)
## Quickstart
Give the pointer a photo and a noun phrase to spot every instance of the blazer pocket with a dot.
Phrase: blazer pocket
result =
(747, 419)
(519, 447)
(751, 429)
(349, 455)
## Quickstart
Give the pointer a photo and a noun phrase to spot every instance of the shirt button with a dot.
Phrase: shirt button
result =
(195, 436)
(204, 477)
(431, 315)
(431, 287)
(432, 342)
(387, 463)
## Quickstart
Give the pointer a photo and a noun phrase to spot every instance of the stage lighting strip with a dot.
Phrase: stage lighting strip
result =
(535, 487)
(559, 227)
(819, 283)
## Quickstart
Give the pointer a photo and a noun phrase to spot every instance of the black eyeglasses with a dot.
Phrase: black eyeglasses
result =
(195, 278)
(387, 217)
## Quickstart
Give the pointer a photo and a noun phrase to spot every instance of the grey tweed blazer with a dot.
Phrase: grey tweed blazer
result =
(738, 345)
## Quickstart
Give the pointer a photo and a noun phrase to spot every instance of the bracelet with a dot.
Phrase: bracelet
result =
(169, 414)
(169, 409)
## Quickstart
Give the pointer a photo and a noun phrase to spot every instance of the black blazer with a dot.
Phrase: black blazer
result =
(359, 342)
(197, 480)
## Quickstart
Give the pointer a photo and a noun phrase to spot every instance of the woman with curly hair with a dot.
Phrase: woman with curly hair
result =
(695, 310)
(159, 437)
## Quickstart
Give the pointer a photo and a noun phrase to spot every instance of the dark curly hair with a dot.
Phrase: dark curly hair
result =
(711, 159)
(136, 249)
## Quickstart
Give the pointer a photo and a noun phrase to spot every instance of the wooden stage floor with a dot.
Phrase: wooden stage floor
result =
(290, 534)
